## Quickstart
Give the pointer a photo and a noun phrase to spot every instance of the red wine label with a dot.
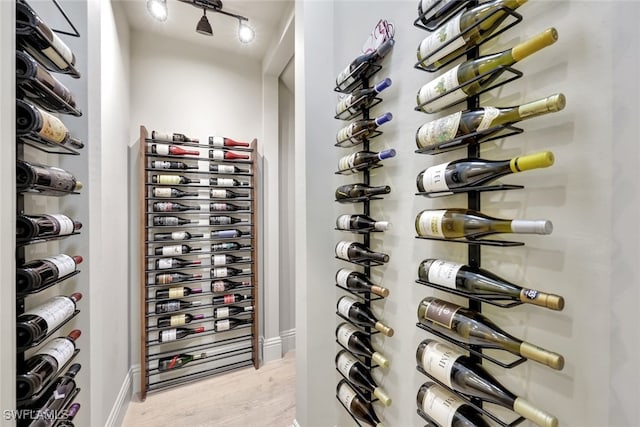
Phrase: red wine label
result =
(162, 192)
(342, 249)
(441, 405)
(223, 325)
(165, 263)
(345, 362)
(438, 40)
(344, 305)
(346, 395)
(439, 86)
(344, 222)
(344, 334)
(178, 319)
(162, 149)
(490, 113)
(444, 273)
(176, 292)
(219, 259)
(438, 360)
(219, 194)
(179, 235)
(172, 250)
(61, 349)
(59, 53)
(64, 263)
(220, 272)
(433, 179)
(222, 312)
(430, 223)
(217, 154)
(65, 223)
(342, 276)
(438, 131)
(168, 179)
(55, 311)
(229, 299)
(441, 312)
(168, 335)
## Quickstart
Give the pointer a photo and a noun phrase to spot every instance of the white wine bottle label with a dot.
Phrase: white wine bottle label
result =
(172, 250)
(54, 312)
(220, 272)
(441, 405)
(226, 169)
(65, 223)
(59, 53)
(344, 103)
(345, 362)
(64, 263)
(162, 149)
(168, 179)
(344, 222)
(176, 292)
(345, 305)
(438, 360)
(342, 277)
(223, 312)
(225, 182)
(344, 334)
(444, 273)
(179, 235)
(162, 192)
(203, 166)
(441, 312)
(346, 395)
(164, 263)
(342, 249)
(219, 259)
(170, 335)
(490, 113)
(52, 128)
(161, 136)
(439, 131)
(161, 165)
(347, 162)
(430, 223)
(217, 141)
(346, 132)
(433, 179)
(178, 319)
(60, 349)
(219, 207)
(219, 194)
(441, 37)
(217, 154)
(445, 83)
(223, 325)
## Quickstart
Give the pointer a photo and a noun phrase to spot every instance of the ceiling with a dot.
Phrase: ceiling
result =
(264, 16)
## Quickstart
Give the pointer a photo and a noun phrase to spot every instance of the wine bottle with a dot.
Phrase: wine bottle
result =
(360, 223)
(178, 319)
(227, 246)
(359, 314)
(358, 282)
(358, 374)
(221, 141)
(467, 71)
(174, 334)
(477, 172)
(476, 329)
(226, 194)
(358, 131)
(226, 207)
(169, 278)
(173, 207)
(230, 299)
(35, 36)
(177, 292)
(225, 220)
(172, 221)
(172, 179)
(40, 273)
(464, 223)
(228, 234)
(34, 120)
(353, 191)
(447, 409)
(362, 97)
(172, 150)
(158, 164)
(226, 285)
(228, 182)
(32, 77)
(43, 366)
(354, 251)
(44, 180)
(53, 403)
(462, 123)
(437, 11)
(177, 137)
(482, 282)
(460, 374)
(168, 263)
(232, 310)
(219, 272)
(227, 169)
(228, 324)
(163, 192)
(227, 155)
(43, 226)
(33, 325)
(358, 343)
(446, 44)
(71, 414)
(175, 250)
(364, 159)
(175, 305)
(359, 408)
(217, 260)
(176, 235)
(362, 64)
(178, 361)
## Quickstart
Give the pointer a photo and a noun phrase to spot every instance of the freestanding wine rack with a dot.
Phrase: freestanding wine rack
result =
(500, 76)
(221, 347)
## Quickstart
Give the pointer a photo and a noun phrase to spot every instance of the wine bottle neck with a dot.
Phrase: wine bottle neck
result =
(532, 161)
(534, 44)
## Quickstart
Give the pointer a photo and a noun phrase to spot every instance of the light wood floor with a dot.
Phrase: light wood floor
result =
(244, 398)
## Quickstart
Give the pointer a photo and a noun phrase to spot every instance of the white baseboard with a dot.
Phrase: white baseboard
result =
(272, 349)
(135, 379)
(116, 416)
(288, 340)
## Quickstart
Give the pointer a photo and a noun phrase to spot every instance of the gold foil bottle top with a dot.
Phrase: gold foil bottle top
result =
(546, 357)
(534, 414)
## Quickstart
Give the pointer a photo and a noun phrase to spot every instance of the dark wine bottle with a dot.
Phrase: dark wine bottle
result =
(358, 282)
(226, 207)
(232, 310)
(225, 220)
(363, 159)
(45, 180)
(217, 260)
(229, 234)
(227, 155)
(43, 366)
(226, 285)
(172, 193)
(362, 64)
(362, 97)
(447, 409)
(482, 282)
(359, 314)
(50, 405)
(359, 408)
(460, 374)
(358, 374)
(178, 320)
(34, 120)
(169, 278)
(176, 235)
(227, 194)
(230, 299)
(71, 414)
(437, 11)
(357, 342)
(358, 131)
(177, 137)
(360, 223)
(354, 251)
(158, 164)
(228, 324)
(221, 141)
(474, 328)
(174, 334)
(219, 272)
(178, 361)
(177, 292)
(227, 169)
(44, 226)
(353, 191)
(169, 263)
(227, 246)
(172, 221)
(33, 325)
(173, 207)
(175, 250)
(172, 150)
(175, 305)
(37, 274)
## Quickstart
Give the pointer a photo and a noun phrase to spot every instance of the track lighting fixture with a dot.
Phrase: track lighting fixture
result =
(245, 32)
(203, 26)
(158, 9)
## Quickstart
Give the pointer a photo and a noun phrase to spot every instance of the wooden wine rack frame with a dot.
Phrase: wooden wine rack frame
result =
(146, 245)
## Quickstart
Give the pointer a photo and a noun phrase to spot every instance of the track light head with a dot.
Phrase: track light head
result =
(246, 34)
(204, 27)
(158, 9)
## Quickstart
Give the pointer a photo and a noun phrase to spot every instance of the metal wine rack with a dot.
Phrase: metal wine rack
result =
(224, 350)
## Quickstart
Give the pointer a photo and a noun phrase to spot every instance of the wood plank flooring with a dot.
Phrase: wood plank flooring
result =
(244, 398)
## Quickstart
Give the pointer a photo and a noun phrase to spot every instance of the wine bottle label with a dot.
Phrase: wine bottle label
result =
(219, 194)
(441, 312)
(345, 362)
(170, 335)
(61, 349)
(344, 334)
(446, 34)
(222, 312)
(344, 103)
(172, 250)
(168, 179)
(490, 113)
(176, 292)
(225, 182)
(346, 132)
(223, 325)
(229, 299)
(65, 223)
(220, 220)
(220, 272)
(433, 179)
(438, 360)
(54, 312)
(430, 223)
(444, 273)
(162, 192)
(59, 53)
(342, 277)
(172, 306)
(165, 263)
(344, 305)
(445, 83)
(226, 169)
(216, 141)
(346, 395)
(52, 128)
(342, 249)
(161, 136)
(162, 149)
(219, 259)
(218, 206)
(345, 74)
(161, 165)
(64, 263)
(178, 319)
(441, 405)
(178, 235)
(439, 131)
(217, 154)
(164, 279)
(163, 207)
(344, 222)
(347, 162)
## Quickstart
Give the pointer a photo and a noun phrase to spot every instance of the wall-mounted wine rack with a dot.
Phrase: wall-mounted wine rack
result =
(221, 347)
